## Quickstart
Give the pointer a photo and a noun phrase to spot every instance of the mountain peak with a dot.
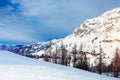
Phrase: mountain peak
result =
(101, 31)
(108, 19)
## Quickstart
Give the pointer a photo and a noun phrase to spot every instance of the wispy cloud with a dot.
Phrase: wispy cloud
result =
(56, 18)
(58, 12)
(13, 28)
(63, 14)
(34, 20)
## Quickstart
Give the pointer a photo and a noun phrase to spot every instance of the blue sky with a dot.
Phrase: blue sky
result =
(25, 21)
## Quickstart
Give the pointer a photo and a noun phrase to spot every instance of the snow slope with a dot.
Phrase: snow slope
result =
(15, 67)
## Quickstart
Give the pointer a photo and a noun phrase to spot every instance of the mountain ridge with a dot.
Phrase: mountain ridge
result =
(93, 34)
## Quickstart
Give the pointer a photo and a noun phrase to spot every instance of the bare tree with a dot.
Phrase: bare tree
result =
(116, 63)
(63, 54)
(101, 58)
(82, 61)
(46, 58)
(85, 62)
(50, 51)
(69, 59)
(56, 56)
(74, 52)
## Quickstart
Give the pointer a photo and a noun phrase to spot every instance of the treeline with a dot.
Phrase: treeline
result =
(82, 60)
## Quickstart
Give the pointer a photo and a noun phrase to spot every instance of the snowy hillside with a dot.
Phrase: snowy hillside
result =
(100, 32)
(15, 67)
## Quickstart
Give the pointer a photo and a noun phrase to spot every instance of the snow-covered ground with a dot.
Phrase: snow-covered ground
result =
(16, 67)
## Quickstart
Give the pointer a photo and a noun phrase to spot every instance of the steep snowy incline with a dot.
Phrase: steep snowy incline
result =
(15, 67)
(102, 31)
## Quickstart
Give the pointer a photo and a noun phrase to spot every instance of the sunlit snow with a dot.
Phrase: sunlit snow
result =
(16, 67)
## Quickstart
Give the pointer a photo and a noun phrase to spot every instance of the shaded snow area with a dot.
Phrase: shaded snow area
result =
(16, 67)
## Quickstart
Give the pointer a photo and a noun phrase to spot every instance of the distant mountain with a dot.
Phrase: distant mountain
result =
(26, 50)
(3, 47)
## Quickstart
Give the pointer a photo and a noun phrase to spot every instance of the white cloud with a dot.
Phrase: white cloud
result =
(48, 8)
(62, 13)
(13, 28)
(38, 19)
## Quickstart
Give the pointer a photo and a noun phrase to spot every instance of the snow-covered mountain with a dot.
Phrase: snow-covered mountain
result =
(15, 67)
(25, 50)
(102, 32)
(3, 47)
